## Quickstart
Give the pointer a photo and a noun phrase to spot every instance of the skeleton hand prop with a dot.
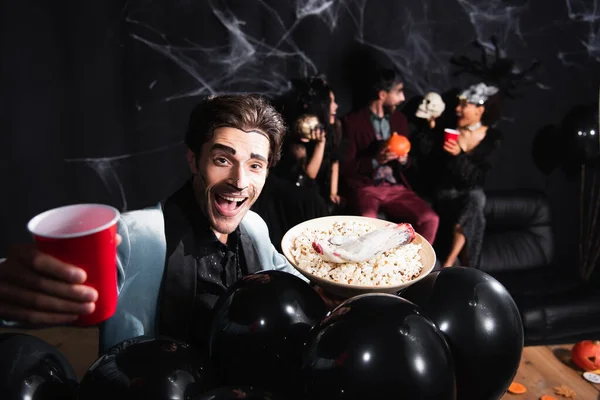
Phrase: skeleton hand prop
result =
(343, 249)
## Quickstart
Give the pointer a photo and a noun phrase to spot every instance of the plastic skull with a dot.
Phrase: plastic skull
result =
(305, 124)
(432, 106)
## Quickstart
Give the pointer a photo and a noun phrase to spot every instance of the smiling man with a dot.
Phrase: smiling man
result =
(212, 239)
(232, 141)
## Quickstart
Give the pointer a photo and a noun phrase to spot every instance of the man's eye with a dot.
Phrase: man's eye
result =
(256, 167)
(220, 161)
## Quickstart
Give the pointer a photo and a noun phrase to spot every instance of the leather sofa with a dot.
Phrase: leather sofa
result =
(518, 250)
(556, 306)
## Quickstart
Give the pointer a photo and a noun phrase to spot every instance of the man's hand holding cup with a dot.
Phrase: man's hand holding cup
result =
(69, 275)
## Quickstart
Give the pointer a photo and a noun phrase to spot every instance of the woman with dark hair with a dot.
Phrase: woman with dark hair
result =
(456, 168)
(310, 154)
(303, 185)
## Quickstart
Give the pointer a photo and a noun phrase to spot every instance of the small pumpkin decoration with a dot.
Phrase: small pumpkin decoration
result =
(586, 355)
(398, 144)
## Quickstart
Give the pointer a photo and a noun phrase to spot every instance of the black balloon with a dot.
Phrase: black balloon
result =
(377, 346)
(579, 135)
(145, 368)
(481, 323)
(574, 142)
(237, 392)
(259, 328)
(33, 369)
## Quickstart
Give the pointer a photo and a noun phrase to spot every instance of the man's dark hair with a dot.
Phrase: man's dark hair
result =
(383, 79)
(246, 112)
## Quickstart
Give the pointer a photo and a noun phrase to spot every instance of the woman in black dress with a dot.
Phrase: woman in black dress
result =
(457, 169)
(310, 157)
(303, 185)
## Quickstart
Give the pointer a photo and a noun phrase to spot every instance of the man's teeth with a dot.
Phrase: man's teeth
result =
(236, 199)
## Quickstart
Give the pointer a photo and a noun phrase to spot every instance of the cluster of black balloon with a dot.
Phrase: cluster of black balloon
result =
(482, 326)
(456, 334)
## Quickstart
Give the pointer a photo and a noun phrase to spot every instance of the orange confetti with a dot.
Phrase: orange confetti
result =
(517, 388)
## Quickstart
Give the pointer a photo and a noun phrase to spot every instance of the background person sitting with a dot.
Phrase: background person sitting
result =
(373, 176)
(455, 169)
(311, 150)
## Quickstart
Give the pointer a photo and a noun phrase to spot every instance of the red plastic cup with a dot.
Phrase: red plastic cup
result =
(83, 235)
(451, 134)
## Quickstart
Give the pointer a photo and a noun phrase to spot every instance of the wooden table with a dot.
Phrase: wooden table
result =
(544, 367)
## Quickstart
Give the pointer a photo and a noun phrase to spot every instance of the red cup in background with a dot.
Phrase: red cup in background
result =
(83, 235)
(451, 134)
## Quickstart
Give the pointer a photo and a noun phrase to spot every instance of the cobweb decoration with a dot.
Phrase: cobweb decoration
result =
(500, 71)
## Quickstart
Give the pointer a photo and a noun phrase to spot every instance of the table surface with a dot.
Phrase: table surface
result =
(544, 367)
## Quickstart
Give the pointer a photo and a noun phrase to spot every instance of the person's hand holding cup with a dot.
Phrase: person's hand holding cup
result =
(451, 141)
(69, 276)
(451, 134)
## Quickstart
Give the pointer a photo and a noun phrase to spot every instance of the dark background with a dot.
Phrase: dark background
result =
(94, 95)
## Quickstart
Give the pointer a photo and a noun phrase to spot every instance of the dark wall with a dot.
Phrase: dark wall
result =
(94, 96)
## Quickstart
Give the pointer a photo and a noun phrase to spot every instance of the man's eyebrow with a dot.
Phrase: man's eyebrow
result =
(258, 157)
(227, 149)
(231, 150)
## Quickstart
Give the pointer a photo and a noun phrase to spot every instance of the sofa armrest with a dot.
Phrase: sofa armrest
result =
(141, 263)
(518, 232)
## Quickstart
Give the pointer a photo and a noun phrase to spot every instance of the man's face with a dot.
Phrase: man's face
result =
(394, 97)
(229, 175)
